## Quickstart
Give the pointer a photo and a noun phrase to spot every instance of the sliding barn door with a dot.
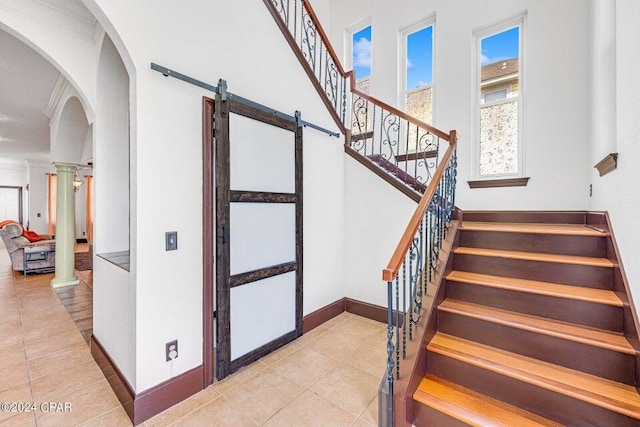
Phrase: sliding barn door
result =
(259, 233)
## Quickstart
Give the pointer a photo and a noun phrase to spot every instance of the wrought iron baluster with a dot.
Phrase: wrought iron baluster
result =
(404, 308)
(398, 326)
(415, 163)
(295, 18)
(322, 81)
(390, 350)
(411, 297)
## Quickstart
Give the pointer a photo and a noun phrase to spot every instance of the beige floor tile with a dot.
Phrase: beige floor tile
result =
(10, 314)
(263, 395)
(36, 320)
(347, 387)
(51, 344)
(239, 377)
(360, 423)
(49, 328)
(336, 321)
(10, 327)
(304, 366)
(8, 299)
(311, 410)
(66, 381)
(14, 374)
(114, 418)
(64, 359)
(183, 408)
(361, 328)
(21, 393)
(281, 353)
(336, 343)
(10, 339)
(311, 335)
(217, 413)
(370, 357)
(25, 419)
(30, 310)
(370, 415)
(12, 355)
(86, 403)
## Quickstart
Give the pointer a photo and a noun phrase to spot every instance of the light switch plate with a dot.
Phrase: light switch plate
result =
(171, 240)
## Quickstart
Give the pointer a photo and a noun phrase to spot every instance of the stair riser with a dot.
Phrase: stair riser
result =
(520, 217)
(546, 403)
(583, 313)
(609, 364)
(541, 243)
(427, 416)
(568, 274)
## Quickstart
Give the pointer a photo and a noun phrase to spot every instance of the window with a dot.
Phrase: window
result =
(361, 56)
(500, 101)
(417, 74)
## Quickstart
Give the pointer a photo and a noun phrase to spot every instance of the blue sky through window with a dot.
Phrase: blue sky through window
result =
(420, 58)
(500, 46)
(361, 52)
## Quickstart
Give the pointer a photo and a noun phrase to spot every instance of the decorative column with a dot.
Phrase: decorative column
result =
(65, 227)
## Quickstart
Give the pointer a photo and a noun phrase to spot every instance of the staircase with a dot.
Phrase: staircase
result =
(530, 328)
(531, 325)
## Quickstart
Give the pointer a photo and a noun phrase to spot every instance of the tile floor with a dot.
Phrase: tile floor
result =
(328, 377)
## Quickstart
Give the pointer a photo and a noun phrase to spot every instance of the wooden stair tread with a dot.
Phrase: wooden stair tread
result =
(535, 256)
(533, 228)
(598, 296)
(607, 394)
(472, 407)
(591, 336)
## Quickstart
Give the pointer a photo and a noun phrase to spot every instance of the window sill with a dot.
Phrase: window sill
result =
(120, 259)
(502, 182)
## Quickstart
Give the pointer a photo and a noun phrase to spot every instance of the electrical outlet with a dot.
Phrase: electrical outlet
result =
(172, 350)
(171, 240)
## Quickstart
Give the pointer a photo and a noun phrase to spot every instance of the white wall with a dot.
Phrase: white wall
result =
(114, 304)
(617, 192)
(112, 148)
(14, 173)
(38, 196)
(376, 215)
(557, 58)
(68, 132)
(168, 179)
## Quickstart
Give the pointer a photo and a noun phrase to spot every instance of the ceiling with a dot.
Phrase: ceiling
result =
(27, 83)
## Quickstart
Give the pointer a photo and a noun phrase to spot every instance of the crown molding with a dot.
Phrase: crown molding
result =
(69, 16)
(56, 93)
(73, 12)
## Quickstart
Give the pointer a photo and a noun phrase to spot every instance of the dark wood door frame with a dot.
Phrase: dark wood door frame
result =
(208, 255)
(217, 111)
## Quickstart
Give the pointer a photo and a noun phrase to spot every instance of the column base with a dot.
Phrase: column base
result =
(60, 283)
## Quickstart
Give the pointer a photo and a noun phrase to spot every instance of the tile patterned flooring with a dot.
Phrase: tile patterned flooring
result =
(328, 377)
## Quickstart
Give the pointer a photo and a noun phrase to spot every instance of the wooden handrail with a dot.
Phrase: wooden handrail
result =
(349, 75)
(402, 114)
(390, 272)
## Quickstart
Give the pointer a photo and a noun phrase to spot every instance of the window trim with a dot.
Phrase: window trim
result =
(403, 34)
(519, 21)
